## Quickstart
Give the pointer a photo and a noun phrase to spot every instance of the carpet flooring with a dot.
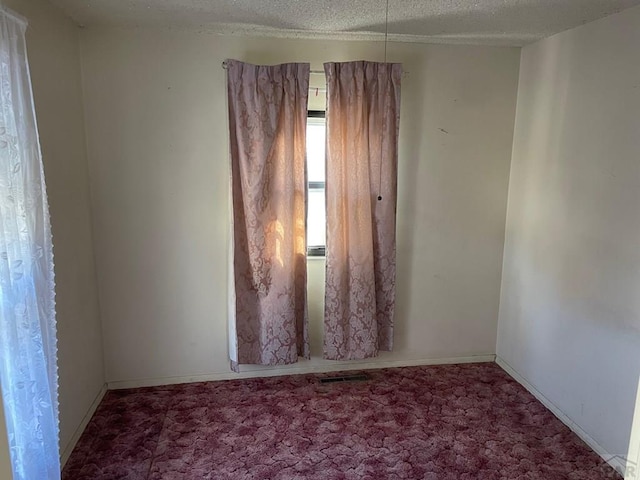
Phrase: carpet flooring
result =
(451, 422)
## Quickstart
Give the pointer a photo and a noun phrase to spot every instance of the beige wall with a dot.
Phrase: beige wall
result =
(570, 309)
(53, 49)
(157, 137)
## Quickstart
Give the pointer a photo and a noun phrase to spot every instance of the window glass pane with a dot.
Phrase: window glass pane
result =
(316, 218)
(315, 149)
(316, 215)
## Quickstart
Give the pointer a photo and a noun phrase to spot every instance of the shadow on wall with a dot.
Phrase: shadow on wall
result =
(549, 123)
(410, 141)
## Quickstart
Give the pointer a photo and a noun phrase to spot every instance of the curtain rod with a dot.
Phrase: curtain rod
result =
(312, 72)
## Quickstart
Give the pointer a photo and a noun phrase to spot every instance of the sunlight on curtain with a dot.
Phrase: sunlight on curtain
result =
(363, 120)
(28, 371)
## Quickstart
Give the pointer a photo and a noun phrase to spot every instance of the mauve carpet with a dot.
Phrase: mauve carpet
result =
(451, 422)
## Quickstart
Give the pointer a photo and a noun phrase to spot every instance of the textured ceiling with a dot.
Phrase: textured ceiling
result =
(496, 22)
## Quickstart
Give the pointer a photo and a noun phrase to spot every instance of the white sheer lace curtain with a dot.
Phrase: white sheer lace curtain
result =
(28, 369)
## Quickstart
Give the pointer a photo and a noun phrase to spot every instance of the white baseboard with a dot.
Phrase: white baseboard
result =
(66, 452)
(300, 368)
(615, 461)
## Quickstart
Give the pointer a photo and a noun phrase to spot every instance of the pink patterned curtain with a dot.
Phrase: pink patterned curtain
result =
(363, 118)
(267, 124)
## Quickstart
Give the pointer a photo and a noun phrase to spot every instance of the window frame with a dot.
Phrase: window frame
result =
(317, 251)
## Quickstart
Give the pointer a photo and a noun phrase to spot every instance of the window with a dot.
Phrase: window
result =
(316, 214)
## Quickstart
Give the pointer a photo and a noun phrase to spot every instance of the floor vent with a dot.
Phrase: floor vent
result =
(345, 378)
